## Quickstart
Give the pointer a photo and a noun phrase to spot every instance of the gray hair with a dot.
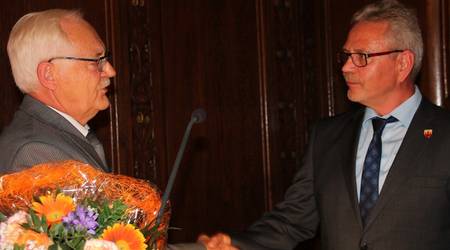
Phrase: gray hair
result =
(404, 30)
(37, 37)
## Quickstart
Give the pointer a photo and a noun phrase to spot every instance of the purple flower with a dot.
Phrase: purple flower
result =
(82, 219)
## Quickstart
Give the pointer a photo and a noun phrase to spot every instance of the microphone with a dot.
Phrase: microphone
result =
(198, 116)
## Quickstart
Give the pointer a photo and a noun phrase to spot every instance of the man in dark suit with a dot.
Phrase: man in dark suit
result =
(378, 177)
(61, 65)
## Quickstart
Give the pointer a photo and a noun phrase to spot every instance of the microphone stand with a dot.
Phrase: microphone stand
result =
(199, 115)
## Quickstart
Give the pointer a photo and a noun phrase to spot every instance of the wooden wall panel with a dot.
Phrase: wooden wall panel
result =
(445, 14)
(264, 70)
(210, 61)
(445, 35)
(137, 92)
(285, 99)
(435, 72)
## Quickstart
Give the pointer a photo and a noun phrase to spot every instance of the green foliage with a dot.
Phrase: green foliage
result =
(18, 247)
(2, 217)
(35, 223)
(67, 238)
(62, 238)
(108, 214)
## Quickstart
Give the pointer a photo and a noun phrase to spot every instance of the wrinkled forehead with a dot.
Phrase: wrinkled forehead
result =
(83, 37)
(368, 37)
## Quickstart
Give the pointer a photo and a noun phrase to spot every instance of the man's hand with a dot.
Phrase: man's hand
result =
(218, 241)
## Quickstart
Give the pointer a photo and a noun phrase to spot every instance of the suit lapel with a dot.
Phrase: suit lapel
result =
(406, 159)
(84, 146)
(348, 158)
(48, 116)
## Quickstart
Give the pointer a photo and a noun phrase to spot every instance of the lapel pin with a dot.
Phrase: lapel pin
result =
(427, 133)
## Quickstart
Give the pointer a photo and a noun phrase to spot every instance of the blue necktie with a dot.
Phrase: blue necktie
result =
(371, 168)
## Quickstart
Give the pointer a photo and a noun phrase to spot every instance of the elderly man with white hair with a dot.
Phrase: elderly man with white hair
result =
(61, 65)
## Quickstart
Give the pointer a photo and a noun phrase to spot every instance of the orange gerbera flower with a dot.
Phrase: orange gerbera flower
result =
(126, 237)
(54, 209)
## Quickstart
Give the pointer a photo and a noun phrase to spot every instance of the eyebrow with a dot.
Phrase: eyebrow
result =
(354, 51)
(101, 53)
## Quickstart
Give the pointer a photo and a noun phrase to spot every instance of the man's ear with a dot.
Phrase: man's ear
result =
(45, 75)
(405, 64)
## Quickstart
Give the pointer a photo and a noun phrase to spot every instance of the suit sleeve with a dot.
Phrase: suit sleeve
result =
(33, 153)
(291, 221)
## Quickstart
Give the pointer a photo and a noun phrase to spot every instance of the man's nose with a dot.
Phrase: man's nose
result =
(108, 70)
(348, 65)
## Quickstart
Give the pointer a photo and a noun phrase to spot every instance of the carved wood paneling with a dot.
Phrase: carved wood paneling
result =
(264, 70)
(138, 115)
(140, 81)
(284, 96)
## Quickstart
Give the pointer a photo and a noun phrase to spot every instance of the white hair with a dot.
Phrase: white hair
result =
(37, 37)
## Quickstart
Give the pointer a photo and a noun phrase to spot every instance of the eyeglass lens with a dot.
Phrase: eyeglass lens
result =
(358, 59)
(101, 63)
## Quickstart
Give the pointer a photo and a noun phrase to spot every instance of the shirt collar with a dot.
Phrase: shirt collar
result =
(84, 130)
(404, 112)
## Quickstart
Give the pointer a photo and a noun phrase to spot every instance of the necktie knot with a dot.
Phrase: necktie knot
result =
(92, 138)
(379, 123)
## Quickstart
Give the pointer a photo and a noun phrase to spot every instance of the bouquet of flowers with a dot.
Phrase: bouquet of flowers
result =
(71, 205)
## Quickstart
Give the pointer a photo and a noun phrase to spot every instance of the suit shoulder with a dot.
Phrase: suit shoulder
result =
(340, 120)
(25, 127)
(22, 131)
(438, 114)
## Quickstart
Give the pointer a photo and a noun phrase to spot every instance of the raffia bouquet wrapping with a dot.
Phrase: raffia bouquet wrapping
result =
(71, 205)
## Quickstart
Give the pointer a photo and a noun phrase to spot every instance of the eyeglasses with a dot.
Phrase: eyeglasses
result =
(360, 59)
(101, 61)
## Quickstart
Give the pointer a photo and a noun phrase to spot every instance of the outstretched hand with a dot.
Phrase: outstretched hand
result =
(219, 241)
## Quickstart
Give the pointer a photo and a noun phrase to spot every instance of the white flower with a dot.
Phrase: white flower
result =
(18, 218)
(31, 245)
(100, 245)
(11, 229)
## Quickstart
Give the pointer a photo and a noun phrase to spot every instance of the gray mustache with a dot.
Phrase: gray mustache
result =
(106, 82)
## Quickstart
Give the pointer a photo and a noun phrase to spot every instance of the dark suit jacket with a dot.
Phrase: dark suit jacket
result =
(38, 134)
(413, 210)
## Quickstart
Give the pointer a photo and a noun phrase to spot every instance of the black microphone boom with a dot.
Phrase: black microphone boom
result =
(199, 115)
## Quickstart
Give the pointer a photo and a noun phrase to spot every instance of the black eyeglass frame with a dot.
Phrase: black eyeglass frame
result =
(364, 55)
(98, 60)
